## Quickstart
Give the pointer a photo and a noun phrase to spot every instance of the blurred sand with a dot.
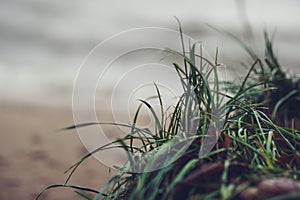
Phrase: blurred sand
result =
(33, 155)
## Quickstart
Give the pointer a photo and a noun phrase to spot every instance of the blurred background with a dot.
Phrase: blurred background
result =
(43, 43)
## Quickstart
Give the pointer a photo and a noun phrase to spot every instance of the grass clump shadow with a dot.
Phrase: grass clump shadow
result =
(214, 145)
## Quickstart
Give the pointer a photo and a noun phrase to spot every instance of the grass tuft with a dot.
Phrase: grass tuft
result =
(218, 146)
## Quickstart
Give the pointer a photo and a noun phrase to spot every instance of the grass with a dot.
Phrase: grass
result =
(213, 145)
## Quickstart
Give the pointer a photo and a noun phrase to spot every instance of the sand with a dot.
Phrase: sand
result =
(33, 155)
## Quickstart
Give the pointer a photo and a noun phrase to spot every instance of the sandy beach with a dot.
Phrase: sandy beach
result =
(34, 155)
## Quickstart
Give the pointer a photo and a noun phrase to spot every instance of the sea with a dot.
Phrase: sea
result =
(112, 53)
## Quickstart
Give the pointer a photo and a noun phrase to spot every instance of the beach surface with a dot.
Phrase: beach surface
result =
(34, 155)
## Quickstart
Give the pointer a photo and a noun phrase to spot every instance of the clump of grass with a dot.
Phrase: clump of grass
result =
(251, 142)
(281, 99)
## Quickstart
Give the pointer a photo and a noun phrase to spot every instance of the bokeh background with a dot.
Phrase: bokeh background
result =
(43, 43)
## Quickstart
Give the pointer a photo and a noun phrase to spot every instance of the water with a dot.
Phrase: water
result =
(43, 43)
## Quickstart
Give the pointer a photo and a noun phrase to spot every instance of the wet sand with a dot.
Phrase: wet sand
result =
(33, 155)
